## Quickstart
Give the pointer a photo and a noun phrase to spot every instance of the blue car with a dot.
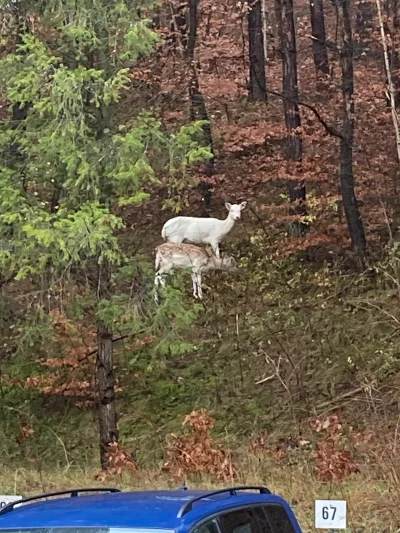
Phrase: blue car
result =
(232, 510)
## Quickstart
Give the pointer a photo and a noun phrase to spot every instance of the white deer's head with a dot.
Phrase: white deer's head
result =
(235, 210)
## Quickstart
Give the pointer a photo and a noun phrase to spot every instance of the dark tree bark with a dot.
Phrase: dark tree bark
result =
(352, 212)
(278, 26)
(192, 28)
(257, 83)
(198, 109)
(19, 110)
(106, 388)
(396, 14)
(318, 32)
(294, 147)
(108, 426)
(17, 159)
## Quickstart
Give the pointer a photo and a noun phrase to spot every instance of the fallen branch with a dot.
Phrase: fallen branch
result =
(329, 129)
(339, 398)
(264, 380)
(275, 374)
(329, 44)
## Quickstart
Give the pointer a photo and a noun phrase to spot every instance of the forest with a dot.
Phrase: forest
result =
(118, 115)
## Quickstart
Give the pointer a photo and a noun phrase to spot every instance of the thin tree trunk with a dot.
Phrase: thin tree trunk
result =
(392, 90)
(257, 84)
(278, 25)
(320, 50)
(294, 146)
(192, 27)
(18, 161)
(350, 204)
(19, 111)
(264, 14)
(108, 427)
(198, 109)
(396, 18)
(106, 388)
(387, 23)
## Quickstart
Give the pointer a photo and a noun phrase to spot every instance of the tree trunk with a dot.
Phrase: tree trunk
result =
(278, 26)
(320, 50)
(396, 18)
(108, 428)
(264, 15)
(17, 159)
(198, 110)
(192, 28)
(106, 389)
(391, 87)
(350, 205)
(389, 9)
(257, 84)
(294, 146)
(19, 111)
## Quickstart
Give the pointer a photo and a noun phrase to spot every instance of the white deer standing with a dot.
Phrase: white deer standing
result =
(171, 255)
(202, 230)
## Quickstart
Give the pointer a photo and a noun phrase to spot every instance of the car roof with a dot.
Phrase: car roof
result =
(144, 510)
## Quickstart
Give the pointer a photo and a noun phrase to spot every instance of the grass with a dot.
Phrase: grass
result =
(372, 499)
(331, 334)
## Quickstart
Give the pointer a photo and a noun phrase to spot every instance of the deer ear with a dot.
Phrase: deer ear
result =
(228, 206)
(243, 205)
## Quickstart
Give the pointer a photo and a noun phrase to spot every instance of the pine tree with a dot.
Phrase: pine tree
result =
(68, 72)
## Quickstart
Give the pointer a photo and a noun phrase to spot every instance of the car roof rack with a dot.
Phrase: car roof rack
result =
(73, 493)
(232, 491)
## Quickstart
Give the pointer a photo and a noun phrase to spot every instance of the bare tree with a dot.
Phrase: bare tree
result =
(264, 14)
(294, 145)
(391, 87)
(351, 209)
(106, 387)
(184, 26)
(198, 109)
(320, 50)
(257, 84)
(389, 22)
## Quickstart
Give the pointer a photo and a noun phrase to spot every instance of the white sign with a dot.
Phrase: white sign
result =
(6, 499)
(330, 514)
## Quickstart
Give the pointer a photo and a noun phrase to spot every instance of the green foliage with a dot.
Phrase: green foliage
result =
(68, 168)
(70, 146)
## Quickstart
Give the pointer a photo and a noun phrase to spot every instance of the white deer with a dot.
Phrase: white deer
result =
(171, 255)
(202, 230)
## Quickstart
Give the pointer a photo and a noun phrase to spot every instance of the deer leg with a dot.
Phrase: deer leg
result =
(156, 295)
(215, 247)
(194, 283)
(159, 279)
(196, 276)
(199, 289)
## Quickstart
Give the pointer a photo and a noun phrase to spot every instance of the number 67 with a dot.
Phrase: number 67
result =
(325, 512)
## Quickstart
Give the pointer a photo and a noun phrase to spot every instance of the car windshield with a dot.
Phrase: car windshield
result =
(84, 530)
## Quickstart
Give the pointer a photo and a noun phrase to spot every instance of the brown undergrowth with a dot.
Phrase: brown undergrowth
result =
(331, 460)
